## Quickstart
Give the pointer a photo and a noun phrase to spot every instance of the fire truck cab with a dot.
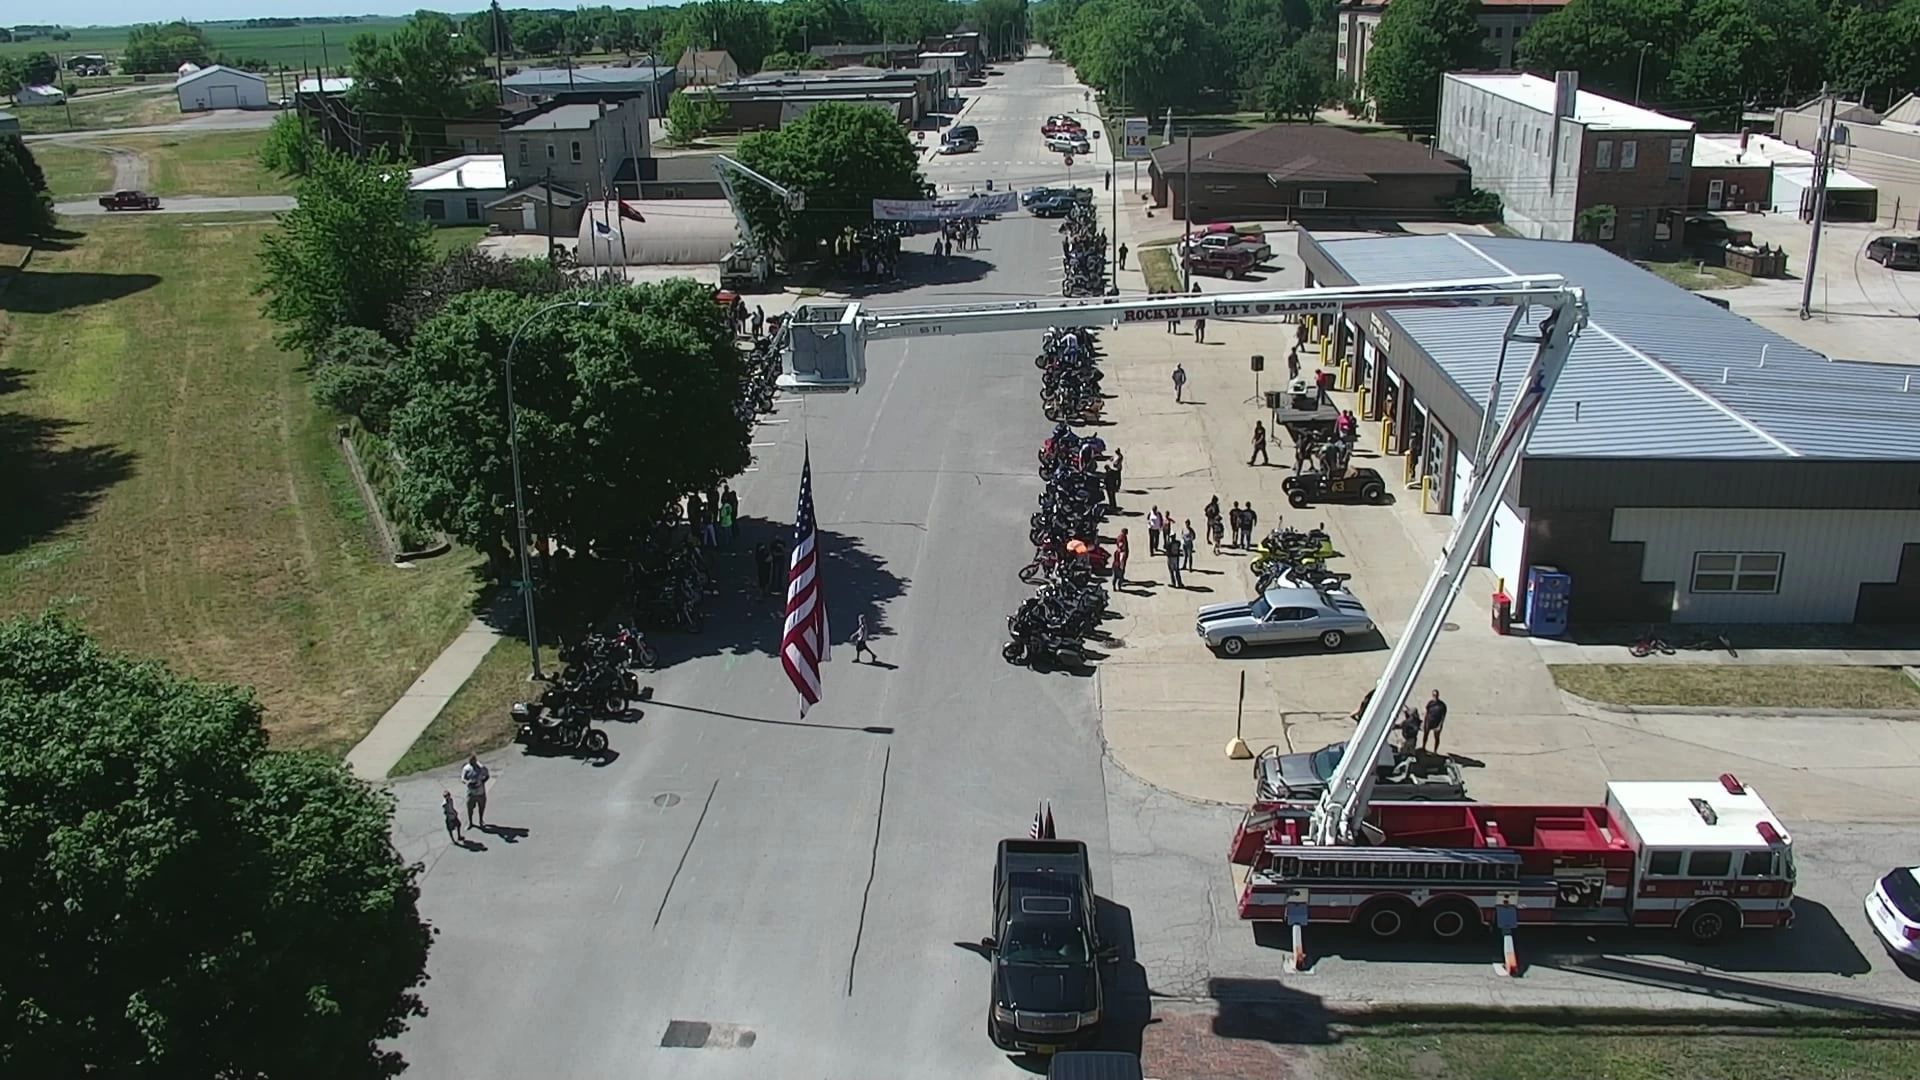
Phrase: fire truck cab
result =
(1705, 857)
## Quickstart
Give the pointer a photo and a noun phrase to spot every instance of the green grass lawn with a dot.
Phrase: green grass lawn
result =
(160, 106)
(207, 163)
(275, 45)
(171, 485)
(1740, 685)
(1693, 274)
(74, 170)
(1412, 1053)
(1156, 265)
(477, 719)
(452, 237)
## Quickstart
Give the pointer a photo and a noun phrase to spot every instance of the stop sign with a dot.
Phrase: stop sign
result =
(1069, 161)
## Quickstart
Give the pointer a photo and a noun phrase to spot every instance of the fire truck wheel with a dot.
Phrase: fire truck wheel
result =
(1710, 923)
(1452, 920)
(1385, 920)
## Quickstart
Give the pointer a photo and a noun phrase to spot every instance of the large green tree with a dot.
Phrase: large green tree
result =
(10, 76)
(1296, 86)
(1418, 41)
(26, 210)
(841, 156)
(425, 69)
(1619, 47)
(744, 28)
(179, 900)
(622, 406)
(1151, 53)
(345, 252)
(161, 48)
(1742, 51)
(1875, 55)
(39, 69)
(692, 114)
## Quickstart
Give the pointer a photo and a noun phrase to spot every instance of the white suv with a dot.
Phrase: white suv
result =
(1893, 909)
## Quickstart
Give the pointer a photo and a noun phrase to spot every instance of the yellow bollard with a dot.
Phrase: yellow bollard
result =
(1363, 402)
(1326, 351)
(1426, 494)
(1346, 374)
(1386, 434)
(1413, 464)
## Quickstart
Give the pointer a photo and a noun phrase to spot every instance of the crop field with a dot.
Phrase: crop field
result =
(277, 46)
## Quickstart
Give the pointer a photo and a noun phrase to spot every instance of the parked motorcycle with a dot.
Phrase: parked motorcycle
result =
(569, 730)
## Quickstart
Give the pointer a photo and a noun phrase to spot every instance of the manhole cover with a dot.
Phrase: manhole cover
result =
(664, 800)
(1449, 626)
(700, 1035)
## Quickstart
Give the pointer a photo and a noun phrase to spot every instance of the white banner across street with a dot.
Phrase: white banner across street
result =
(975, 205)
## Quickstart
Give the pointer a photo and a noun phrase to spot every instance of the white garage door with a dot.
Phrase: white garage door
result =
(1462, 480)
(1507, 550)
(223, 97)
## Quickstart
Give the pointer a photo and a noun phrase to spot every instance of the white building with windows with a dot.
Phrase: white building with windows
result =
(1503, 20)
(457, 191)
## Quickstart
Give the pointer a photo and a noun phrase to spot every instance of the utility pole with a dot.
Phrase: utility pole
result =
(1186, 213)
(1822, 165)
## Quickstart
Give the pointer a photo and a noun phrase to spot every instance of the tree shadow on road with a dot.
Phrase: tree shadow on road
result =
(918, 270)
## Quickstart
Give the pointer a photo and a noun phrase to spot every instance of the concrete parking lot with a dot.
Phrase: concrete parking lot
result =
(1861, 310)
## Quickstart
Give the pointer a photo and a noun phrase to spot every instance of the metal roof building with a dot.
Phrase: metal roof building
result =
(1681, 440)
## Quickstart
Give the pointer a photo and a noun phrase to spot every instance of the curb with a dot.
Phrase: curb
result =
(1579, 702)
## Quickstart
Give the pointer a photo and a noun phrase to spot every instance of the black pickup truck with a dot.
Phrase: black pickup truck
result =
(1046, 949)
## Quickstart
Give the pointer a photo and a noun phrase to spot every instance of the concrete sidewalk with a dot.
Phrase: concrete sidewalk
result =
(401, 725)
(1168, 705)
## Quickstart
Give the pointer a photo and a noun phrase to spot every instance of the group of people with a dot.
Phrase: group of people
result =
(714, 518)
(1328, 455)
(958, 235)
(873, 251)
(1419, 729)
(747, 323)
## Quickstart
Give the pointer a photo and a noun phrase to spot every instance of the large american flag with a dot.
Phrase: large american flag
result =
(804, 645)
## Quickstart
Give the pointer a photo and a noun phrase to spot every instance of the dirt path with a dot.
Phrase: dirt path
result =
(130, 169)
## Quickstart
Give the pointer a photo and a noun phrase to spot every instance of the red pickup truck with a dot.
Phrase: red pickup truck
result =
(130, 200)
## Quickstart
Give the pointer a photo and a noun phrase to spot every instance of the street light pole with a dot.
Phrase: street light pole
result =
(519, 493)
(1640, 71)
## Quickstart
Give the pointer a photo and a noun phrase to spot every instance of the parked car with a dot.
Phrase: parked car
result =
(1231, 261)
(130, 200)
(1302, 777)
(1893, 910)
(1220, 241)
(960, 132)
(1033, 194)
(1057, 202)
(1895, 252)
(1282, 615)
(959, 146)
(1705, 230)
(1069, 144)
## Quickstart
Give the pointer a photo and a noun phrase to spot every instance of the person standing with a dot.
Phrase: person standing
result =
(1293, 364)
(759, 321)
(1409, 727)
(1187, 537)
(1123, 256)
(1155, 523)
(726, 520)
(763, 568)
(1110, 481)
(731, 501)
(1120, 547)
(860, 645)
(1259, 444)
(1179, 384)
(1173, 562)
(1248, 521)
(475, 776)
(452, 813)
(1200, 330)
(1214, 527)
(1435, 720)
(1233, 526)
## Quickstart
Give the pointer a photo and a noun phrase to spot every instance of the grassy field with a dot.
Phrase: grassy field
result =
(109, 111)
(450, 237)
(74, 170)
(277, 46)
(1417, 1053)
(1692, 274)
(1740, 685)
(477, 719)
(171, 485)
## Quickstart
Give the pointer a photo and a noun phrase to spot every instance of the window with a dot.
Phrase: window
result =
(473, 209)
(1603, 154)
(1664, 862)
(1663, 228)
(1499, 129)
(1677, 152)
(552, 152)
(1757, 864)
(523, 153)
(1607, 227)
(1629, 153)
(1710, 864)
(1536, 140)
(1314, 199)
(1752, 572)
(435, 209)
(576, 150)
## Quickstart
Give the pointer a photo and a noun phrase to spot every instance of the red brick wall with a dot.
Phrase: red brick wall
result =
(1744, 184)
(1642, 195)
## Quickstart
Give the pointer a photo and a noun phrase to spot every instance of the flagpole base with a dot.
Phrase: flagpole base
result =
(1237, 749)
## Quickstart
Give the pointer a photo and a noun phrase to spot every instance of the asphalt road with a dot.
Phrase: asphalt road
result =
(808, 882)
(217, 120)
(190, 204)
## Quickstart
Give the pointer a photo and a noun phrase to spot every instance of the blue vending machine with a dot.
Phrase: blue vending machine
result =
(1548, 591)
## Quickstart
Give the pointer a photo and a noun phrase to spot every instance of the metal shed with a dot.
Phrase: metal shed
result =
(674, 232)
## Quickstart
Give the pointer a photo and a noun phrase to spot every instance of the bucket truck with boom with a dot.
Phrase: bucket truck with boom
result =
(1704, 857)
(751, 260)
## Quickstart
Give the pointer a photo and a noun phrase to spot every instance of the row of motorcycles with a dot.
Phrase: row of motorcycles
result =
(1292, 556)
(1085, 254)
(667, 584)
(1070, 378)
(1050, 629)
(597, 684)
(758, 388)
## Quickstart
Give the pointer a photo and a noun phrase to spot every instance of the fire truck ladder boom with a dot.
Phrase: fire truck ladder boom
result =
(724, 167)
(1337, 817)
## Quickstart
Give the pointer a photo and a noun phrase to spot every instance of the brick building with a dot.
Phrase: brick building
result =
(1568, 164)
(1304, 172)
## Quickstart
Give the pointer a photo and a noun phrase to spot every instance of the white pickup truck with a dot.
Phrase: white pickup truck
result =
(1211, 242)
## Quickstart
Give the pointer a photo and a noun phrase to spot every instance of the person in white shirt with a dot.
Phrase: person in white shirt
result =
(475, 776)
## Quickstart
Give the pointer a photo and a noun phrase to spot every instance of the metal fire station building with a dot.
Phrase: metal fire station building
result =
(1692, 466)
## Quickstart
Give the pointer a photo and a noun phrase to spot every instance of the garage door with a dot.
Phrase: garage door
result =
(223, 97)
(1462, 480)
(1506, 551)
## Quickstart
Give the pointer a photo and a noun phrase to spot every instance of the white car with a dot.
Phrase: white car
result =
(1069, 144)
(1893, 909)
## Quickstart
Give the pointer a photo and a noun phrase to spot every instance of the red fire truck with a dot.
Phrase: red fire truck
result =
(1708, 858)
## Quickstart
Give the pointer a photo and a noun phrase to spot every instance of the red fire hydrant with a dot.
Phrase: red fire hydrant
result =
(1502, 613)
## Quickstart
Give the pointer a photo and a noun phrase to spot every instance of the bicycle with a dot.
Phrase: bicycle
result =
(1648, 644)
